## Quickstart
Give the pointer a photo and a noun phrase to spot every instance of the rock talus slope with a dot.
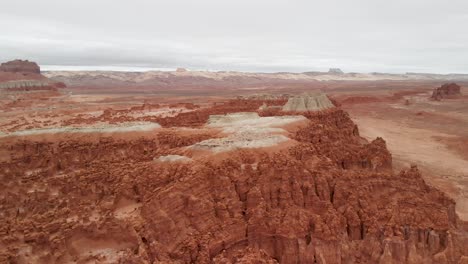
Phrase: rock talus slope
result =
(331, 197)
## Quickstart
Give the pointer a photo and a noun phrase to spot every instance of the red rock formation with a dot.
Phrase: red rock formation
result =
(447, 90)
(22, 66)
(330, 198)
(19, 75)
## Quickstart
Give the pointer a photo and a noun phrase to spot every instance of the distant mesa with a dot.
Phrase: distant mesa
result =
(20, 66)
(181, 70)
(24, 75)
(448, 90)
(308, 102)
(335, 71)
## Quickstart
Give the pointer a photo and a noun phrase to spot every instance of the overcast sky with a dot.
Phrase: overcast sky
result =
(246, 35)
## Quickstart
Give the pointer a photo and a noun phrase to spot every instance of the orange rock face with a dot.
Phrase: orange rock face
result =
(331, 197)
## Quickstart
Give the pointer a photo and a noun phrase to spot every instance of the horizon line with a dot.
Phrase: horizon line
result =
(115, 68)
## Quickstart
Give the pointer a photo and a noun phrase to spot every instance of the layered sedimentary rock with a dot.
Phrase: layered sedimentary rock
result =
(448, 90)
(22, 66)
(308, 102)
(25, 84)
(331, 197)
(19, 75)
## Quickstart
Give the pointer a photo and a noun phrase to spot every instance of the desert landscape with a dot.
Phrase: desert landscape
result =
(192, 166)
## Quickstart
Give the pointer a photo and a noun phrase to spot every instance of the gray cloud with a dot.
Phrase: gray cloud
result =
(260, 35)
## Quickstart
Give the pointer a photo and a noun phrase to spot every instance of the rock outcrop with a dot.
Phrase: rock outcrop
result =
(448, 90)
(24, 75)
(308, 102)
(21, 66)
